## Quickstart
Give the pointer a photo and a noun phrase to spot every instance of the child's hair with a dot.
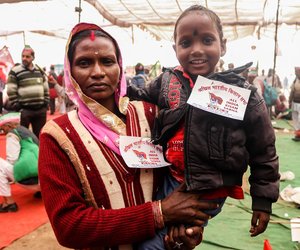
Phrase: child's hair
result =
(214, 17)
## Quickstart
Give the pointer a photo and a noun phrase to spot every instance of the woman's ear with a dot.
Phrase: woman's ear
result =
(223, 47)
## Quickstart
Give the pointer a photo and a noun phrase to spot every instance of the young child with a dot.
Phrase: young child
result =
(208, 151)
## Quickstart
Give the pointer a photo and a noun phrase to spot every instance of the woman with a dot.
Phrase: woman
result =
(92, 198)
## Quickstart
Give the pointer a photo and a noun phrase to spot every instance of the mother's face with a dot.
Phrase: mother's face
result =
(95, 68)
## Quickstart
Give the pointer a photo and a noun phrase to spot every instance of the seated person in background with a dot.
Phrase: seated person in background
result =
(282, 108)
(19, 141)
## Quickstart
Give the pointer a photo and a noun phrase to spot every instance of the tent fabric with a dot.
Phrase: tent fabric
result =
(240, 18)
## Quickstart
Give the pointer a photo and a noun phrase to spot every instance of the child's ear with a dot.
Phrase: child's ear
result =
(223, 47)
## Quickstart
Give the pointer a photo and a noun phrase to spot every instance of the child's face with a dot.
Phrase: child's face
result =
(198, 46)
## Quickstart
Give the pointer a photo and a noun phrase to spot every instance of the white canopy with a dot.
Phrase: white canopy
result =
(50, 21)
(240, 17)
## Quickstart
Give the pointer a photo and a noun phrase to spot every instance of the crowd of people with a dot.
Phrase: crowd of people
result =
(89, 191)
(284, 106)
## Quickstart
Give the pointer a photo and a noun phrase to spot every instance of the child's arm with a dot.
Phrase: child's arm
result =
(264, 164)
(259, 222)
(149, 94)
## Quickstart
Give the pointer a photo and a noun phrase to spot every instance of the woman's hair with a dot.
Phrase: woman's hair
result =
(214, 17)
(87, 33)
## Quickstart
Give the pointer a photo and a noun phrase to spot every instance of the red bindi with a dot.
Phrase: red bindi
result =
(92, 36)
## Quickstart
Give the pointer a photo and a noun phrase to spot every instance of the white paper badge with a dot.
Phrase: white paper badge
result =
(140, 152)
(219, 98)
(295, 229)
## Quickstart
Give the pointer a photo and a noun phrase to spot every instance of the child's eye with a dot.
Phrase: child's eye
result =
(185, 43)
(208, 40)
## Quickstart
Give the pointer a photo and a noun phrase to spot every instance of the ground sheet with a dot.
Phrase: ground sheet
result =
(230, 229)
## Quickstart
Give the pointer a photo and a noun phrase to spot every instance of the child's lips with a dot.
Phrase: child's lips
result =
(198, 61)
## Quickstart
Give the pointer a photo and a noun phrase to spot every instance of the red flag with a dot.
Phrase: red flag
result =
(6, 63)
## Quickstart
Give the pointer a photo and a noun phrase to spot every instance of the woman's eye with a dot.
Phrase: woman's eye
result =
(83, 63)
(108, 61)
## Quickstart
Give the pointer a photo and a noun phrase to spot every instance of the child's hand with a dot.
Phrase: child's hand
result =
(259, 222)
(183, 238)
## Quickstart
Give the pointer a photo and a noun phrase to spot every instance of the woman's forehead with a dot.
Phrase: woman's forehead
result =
(98, 43)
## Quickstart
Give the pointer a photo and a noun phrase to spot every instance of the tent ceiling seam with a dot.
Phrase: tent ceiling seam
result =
(178, 5)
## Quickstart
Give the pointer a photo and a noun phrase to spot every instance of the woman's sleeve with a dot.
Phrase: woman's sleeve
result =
(75, 224)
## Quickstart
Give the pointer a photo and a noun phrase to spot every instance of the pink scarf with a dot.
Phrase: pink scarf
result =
(101, 123)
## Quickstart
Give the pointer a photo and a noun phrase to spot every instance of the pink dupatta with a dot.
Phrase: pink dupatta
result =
(100, 122)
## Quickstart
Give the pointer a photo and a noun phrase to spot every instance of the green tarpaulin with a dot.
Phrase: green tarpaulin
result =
(230, 229)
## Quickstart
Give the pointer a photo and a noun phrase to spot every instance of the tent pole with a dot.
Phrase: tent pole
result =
(78, 9)
(24, 38)
(275, 45)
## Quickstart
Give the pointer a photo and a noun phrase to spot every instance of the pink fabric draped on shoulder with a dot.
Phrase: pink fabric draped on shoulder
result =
(102, 124)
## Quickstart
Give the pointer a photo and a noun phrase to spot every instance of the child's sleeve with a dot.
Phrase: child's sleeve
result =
(149, 94)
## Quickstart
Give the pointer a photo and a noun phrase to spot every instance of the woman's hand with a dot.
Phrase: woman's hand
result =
(180, 237)
(181, 207)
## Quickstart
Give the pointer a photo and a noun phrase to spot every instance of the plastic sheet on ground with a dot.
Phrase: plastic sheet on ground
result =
(230, 229)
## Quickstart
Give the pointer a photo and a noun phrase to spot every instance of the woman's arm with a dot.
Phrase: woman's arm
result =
(77, 225)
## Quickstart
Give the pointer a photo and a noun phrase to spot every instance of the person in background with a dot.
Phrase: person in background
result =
(92, 198)
(282, 110)
(140, 78)
(128, 78)
(10, 125)
(62, 97)
(52, 77)
(273, 79)
(64, 101)
(208, 151)
(230, 66)
(28, 91)
(220, 66)
(255, 80)
(294, 103)
(2, 84)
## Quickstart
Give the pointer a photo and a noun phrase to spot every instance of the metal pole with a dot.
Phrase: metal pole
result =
(275, 39)
(78, 9)
(24, 38)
